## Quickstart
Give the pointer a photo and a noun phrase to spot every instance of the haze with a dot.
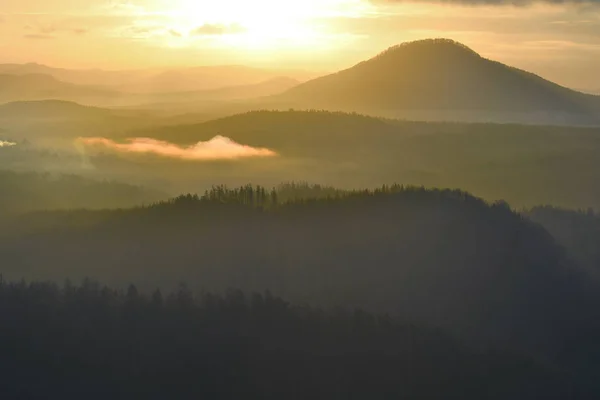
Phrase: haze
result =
(556, 39)
(316, 199)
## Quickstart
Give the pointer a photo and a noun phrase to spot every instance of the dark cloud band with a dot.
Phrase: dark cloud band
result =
(520, 3)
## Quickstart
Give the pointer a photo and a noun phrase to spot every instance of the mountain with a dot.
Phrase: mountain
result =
(205, 78)
(443, 79)
(265, 88)
(50, 109)
(172, 88)
(152, 80)
(91, 77)
(194, 100)
(49, 120)
(46, 87)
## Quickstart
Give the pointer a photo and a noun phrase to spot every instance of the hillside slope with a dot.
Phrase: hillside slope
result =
(445, 77)
(156, 80)
(523, 164)
(50, 109)
(442, 257)
(45, 87)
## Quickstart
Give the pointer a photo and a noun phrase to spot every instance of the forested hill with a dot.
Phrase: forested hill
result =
(525, 165)
(439, 256)
(94, 342)
(443, 75)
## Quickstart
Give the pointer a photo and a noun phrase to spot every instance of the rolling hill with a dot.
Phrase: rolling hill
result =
(190, 101)
(154, 80)
(45, 87)
(204, 78)
(523, 164)
(51, 120)
(50, 109)
(443, 79)
(90, 77)
(437, 256)
(178, 95)
(265, 88)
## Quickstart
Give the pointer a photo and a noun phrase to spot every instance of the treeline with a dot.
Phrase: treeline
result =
(578, 231)
(523, 164)
(440, 256)
(94, 342)
(288, 193)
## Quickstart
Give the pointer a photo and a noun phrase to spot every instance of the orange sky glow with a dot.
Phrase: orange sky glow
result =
(559, 41)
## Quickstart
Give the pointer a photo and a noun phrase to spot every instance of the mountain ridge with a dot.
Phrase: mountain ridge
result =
(445, 76)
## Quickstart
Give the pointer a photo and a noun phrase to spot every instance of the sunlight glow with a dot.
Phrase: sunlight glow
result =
(261, 24)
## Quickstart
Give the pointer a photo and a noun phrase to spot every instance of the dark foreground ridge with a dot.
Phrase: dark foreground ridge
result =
(513, 314)
(93, 342)
(442, 258)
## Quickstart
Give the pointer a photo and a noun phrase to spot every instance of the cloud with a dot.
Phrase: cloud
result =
(38, 36)
(4, 143)
(520, 3)
(217, 148)
(52, 31)
(217, 30)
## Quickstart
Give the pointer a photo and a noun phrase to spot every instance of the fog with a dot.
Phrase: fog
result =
(217, 148)
(249, 240)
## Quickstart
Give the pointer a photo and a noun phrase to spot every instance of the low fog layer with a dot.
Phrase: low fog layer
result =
(4, 143)
(217, 148)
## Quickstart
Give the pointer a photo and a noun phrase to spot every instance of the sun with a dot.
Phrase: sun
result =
(260, 24)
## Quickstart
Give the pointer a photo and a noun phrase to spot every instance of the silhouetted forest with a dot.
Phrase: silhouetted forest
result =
(295, 290)
(440, 257)
(525, 165)
(93, 342)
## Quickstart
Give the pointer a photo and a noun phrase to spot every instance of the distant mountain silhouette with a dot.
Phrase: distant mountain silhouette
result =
(264, 88)
(153, 80)
(46, 87)
(52, 119)
(192, 99)
(204, 79)
(178, 89)
(76, 76)
(448, 80)
(50, 109)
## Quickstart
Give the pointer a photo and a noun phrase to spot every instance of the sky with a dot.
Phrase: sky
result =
(557, 39)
